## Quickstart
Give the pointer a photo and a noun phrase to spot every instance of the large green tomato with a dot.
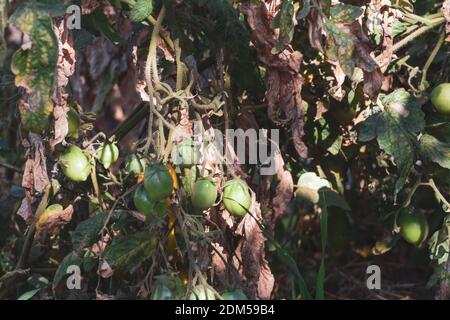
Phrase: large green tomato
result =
(158, 182)
(186, 154)
(204, 194)
(440, 97)
(107, 154)
(413, 226)
(135, 164)
(75, 164)
(234, 295)
(73, 120)
(200, 292)
(236, 198)
(147, 207)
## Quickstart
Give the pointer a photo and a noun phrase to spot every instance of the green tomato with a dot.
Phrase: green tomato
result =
(148, 208)
(158, 182)
(107, 154)
(234, 295)
(73, 120)
(186, 154)
(204, 194)
(162, 292)
(200, 292)
(413, 226)
(135, 164)
(75, 164)
(440, 97)
(236, 197)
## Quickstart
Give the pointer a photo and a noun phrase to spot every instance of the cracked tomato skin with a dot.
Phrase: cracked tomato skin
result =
(204, 194)
(107, 154)
(158, 182)
(200, 292)
(75, 164)
(440, 97)
(413, 226)
(236, 197)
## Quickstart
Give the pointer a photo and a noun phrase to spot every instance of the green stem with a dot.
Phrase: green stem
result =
(416, 34)
(431, 57)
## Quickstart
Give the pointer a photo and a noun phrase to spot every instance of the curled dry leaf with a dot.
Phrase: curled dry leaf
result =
(255, 268)
(50, 222)
(283, 79)
(35, 177)
(283, 191)
(446, 12)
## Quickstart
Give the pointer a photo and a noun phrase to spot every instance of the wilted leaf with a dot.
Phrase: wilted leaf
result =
(437, 151)
(35, 177)
(50, 222)
(446, 12)
(394, 128)
(127, 252)
(141, 10)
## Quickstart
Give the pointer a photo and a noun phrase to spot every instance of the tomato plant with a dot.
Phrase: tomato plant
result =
(75, 164)
(236, 198)
(204, 194)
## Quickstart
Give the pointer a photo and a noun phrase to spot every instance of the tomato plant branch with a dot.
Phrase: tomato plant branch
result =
(431, 58)
(433, 186)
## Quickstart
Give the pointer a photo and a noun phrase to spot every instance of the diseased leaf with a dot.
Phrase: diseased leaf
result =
(86, 233)
(437, 151)
(395, 128)
(345, 13)
(34, 65)
(127, 252)
(284, 20)
(141, 10)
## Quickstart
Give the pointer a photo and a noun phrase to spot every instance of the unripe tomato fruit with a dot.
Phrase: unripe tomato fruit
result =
(234, 295)
(75, 164)
(158, 182)
(204, 194)
(136, 165)
(147, 207)
(73, 120)
(413, 226)
(201, 292)
(186, 154)
(107, 154)
(440, 97)
(236, 198)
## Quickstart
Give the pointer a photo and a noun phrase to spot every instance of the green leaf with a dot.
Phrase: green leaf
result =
(435, 150)
(333, 199)
(284, 20)
(71, 259)
(86, 233)
(35, 67)
(127, 252)
(395, 129)
(141, 10)
(304, 11)
(29, 294)
(100, 22)
(345, 13)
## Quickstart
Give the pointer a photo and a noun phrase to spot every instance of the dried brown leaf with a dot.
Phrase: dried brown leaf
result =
(50, 223)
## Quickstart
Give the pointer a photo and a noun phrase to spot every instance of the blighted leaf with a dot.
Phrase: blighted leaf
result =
(395, 128)
(34, 65)
(284, 20)
(345, 13)
(72, 259)
(35, 177)
(446, 12)
(3, 23)
(437, 151)
(86, 233)
(51, 221)
(439, 243)
(127, 252)
(141, 10)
